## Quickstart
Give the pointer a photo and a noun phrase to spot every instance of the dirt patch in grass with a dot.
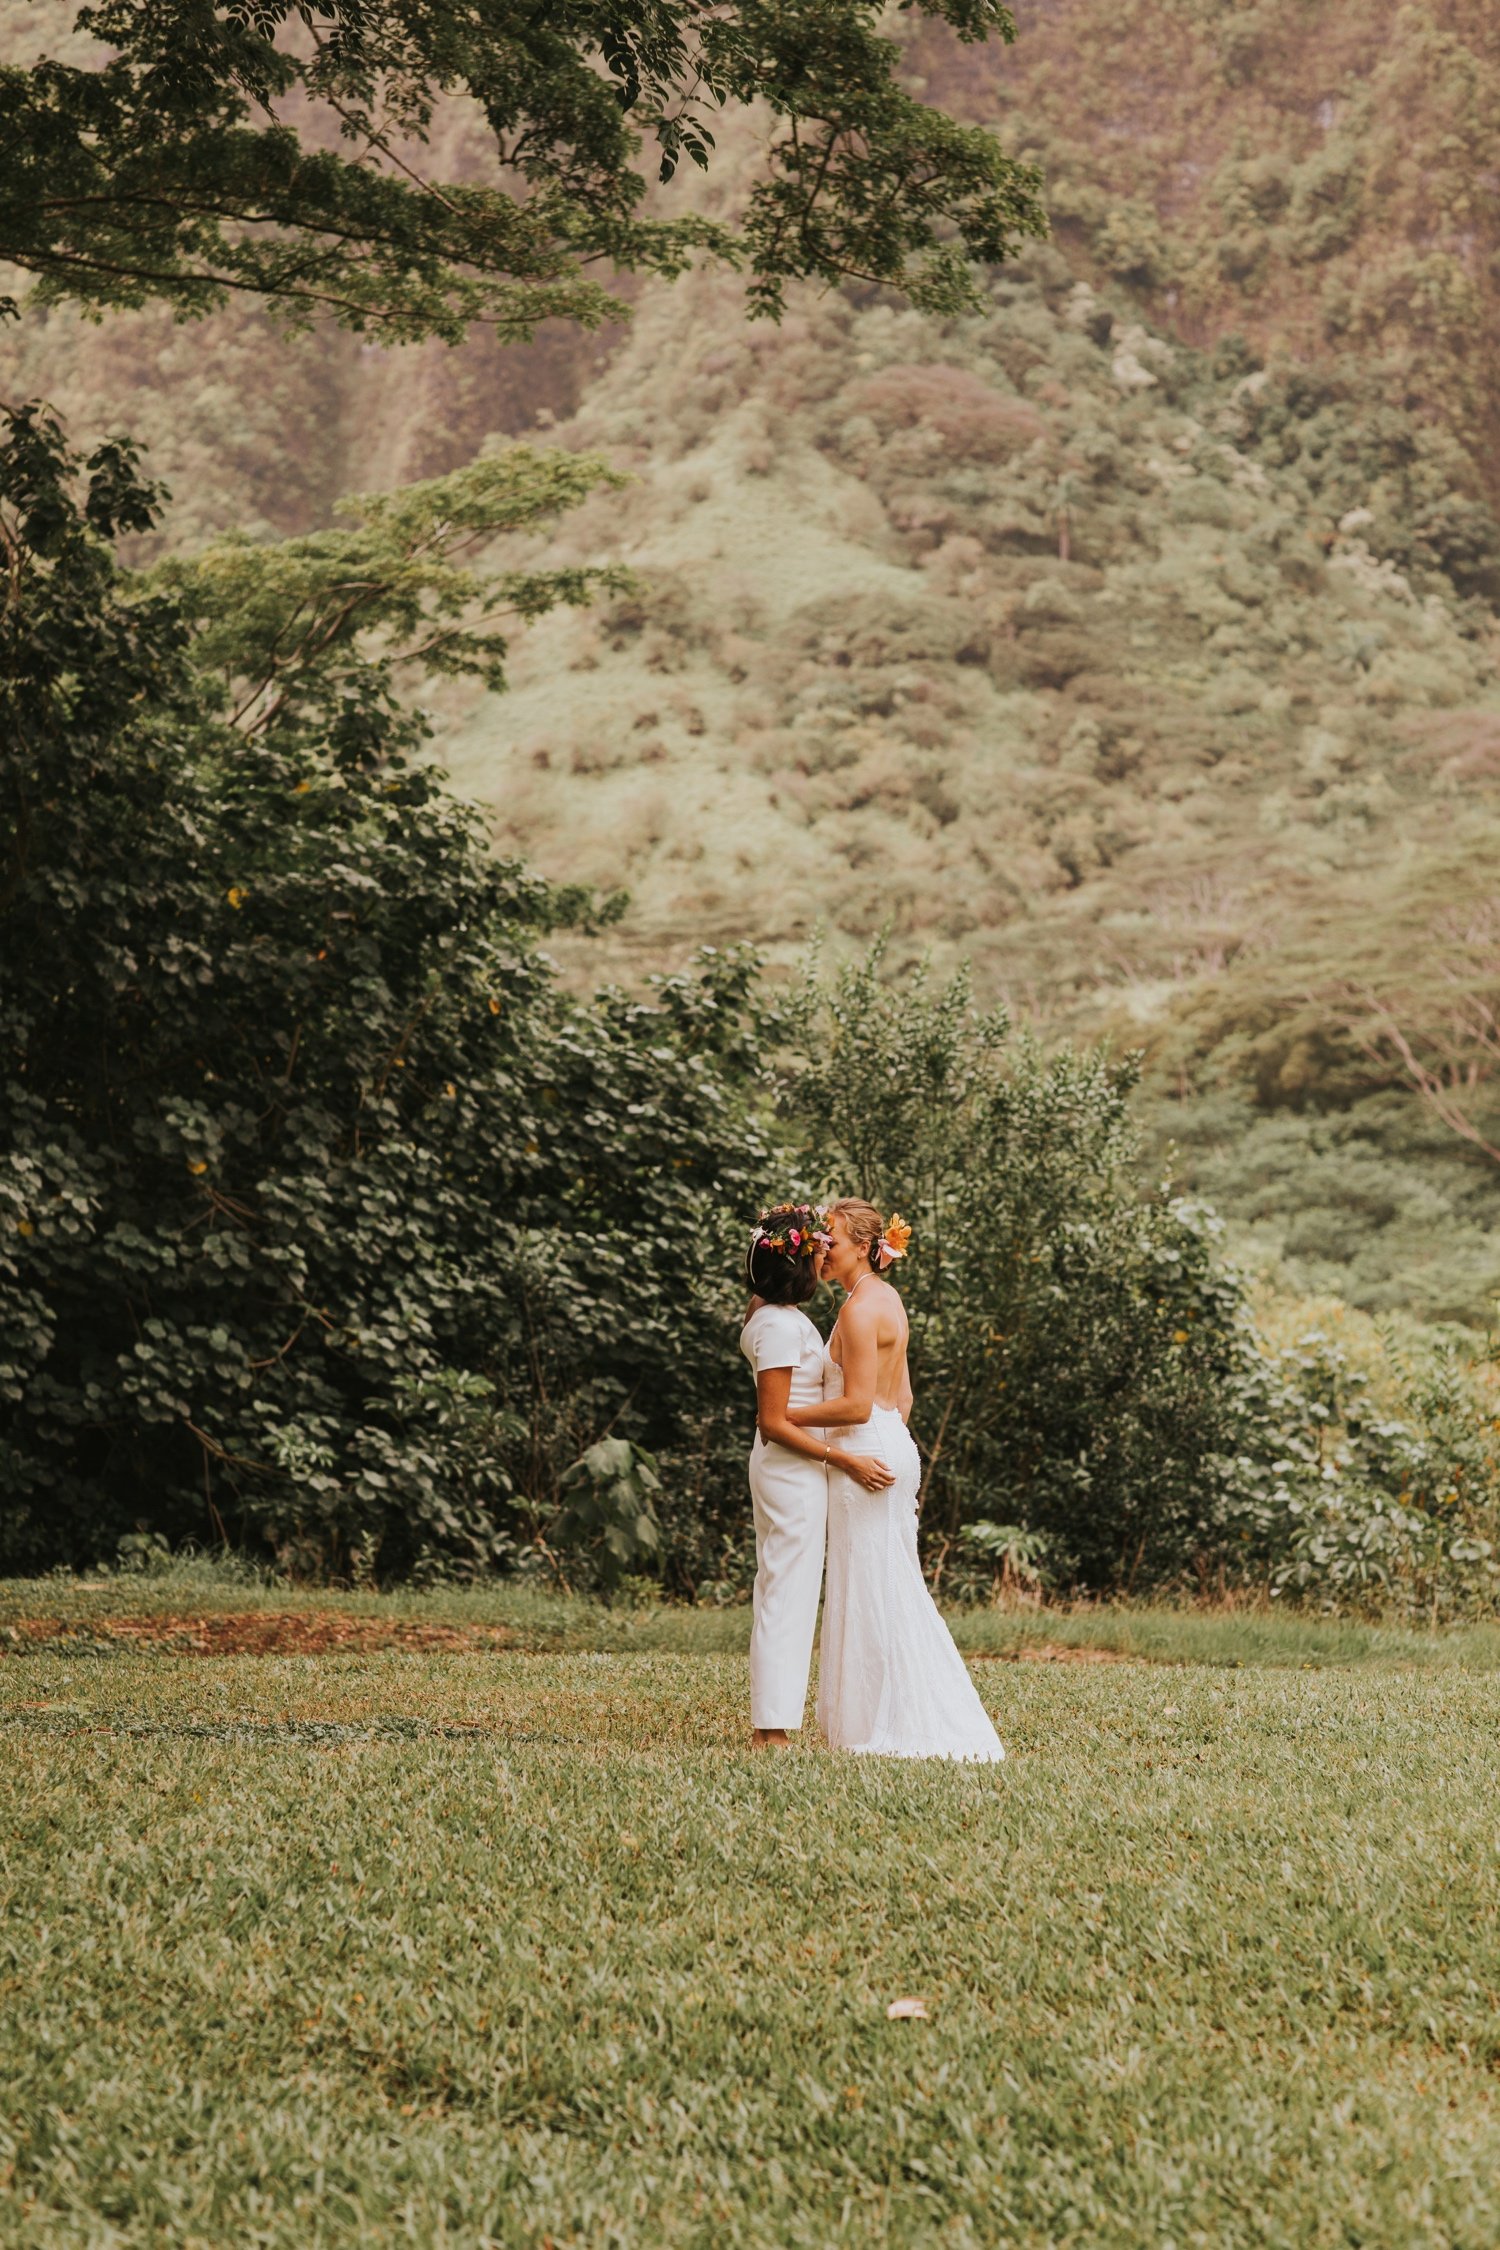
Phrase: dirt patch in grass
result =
(320, 1632)
(1051, 1652)
(256, 1633)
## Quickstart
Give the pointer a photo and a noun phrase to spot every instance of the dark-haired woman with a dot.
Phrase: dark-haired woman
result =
(788, 1466)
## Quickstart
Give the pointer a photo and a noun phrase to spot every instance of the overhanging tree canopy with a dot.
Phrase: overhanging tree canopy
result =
(283, 148)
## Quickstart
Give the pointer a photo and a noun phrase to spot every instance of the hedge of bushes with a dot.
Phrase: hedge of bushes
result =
(333, 1227)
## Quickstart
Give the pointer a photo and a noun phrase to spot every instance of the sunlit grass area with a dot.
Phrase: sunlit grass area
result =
(484, 1945)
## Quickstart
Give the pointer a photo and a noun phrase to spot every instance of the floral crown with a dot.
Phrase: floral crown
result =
(797, 1229)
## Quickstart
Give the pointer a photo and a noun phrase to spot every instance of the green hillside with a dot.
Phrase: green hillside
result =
(1136, 640)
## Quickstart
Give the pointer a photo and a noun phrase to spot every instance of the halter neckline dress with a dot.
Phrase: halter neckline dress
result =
(891, 1684)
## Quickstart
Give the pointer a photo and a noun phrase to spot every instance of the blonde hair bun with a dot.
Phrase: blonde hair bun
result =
(864, 1225)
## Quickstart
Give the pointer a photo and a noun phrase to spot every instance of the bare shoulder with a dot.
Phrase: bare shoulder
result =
(861, 1311)
(874, 1313)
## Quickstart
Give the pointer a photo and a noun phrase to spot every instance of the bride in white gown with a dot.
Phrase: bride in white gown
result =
(890, 1681)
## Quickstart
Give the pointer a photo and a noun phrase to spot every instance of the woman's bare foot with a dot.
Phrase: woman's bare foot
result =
(768, 1738)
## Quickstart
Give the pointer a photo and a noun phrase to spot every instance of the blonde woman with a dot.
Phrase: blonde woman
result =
(788, 1465)
(890, 1681)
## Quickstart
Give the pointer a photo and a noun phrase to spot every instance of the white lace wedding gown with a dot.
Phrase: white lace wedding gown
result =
(890, 1681)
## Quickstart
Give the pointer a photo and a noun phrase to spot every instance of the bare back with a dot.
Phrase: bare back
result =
(873, 1321)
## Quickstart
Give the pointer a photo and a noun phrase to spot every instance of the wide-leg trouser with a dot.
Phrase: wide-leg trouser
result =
(790, 1498)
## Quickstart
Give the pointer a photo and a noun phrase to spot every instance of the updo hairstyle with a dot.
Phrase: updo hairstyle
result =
(864, 1224)
(777, 1270)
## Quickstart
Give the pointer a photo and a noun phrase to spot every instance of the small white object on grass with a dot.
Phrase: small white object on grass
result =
(908, 2008)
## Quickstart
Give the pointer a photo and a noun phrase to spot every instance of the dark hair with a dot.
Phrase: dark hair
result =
(779, 1277)
(776, 1271)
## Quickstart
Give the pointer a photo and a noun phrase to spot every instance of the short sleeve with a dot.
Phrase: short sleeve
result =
(775, 1338)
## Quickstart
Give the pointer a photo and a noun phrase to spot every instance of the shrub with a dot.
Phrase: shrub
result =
(1095, 1406)
(326, 1220)
(1348, 1502)
(968, 416)
(1074, 1342)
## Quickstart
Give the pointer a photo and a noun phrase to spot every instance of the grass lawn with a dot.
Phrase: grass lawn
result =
(515, 1943)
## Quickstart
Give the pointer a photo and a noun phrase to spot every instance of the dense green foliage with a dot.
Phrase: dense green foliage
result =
(333, 1224)
(1094, 1401)
(327, 1217)
(284, 149)
(504, 1949)
(1073, 1342)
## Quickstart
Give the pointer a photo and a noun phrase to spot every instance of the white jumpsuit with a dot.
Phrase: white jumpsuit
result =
(790, 1497)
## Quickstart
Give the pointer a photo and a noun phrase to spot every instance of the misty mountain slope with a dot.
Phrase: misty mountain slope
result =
(1027, 637)
(1320, 175)
(1157, 684)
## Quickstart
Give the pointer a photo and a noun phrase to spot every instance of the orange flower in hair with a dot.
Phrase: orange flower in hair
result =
(893, 1243)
